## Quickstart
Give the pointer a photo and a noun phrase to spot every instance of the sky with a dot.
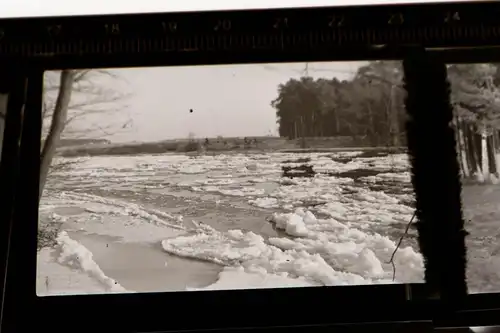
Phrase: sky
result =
(202, 101)
(225, 100)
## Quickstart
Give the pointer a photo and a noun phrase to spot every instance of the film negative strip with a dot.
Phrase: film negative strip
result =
(259, 36)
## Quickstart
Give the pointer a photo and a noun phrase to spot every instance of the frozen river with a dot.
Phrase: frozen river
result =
(177, 222)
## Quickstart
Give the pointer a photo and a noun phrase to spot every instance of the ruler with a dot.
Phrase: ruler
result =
(338, 32)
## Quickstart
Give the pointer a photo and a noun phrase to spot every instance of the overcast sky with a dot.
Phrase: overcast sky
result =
(226, 100)
(207, 101)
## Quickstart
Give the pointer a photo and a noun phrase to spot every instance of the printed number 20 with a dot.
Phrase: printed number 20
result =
(223, 25)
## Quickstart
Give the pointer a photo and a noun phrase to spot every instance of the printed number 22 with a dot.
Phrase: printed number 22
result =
(336, 21)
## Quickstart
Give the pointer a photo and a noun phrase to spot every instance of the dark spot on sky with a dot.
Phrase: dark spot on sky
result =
(190, 110)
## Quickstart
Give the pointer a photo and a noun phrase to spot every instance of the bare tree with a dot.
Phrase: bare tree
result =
(77, 95)
(94, 96)
(59, 118)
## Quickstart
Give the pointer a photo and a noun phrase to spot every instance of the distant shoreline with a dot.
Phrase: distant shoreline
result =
(226, 145)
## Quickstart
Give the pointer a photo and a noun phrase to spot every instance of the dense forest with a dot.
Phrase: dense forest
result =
(371, 106)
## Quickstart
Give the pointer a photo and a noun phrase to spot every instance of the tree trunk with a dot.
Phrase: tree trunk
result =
(302, 133)
(394, 121)
(484, 155)
(454, 125)
(478, 150)
(492, 165)
(371, 126)
(496, 152)
(3, 113)
(461, 149)
(313, 127)
(337, 122)
(59, 118)
(467, 153)
(471, 149)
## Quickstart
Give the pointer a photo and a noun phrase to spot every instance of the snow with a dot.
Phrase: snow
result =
(98, 215)
(482, 178)
(266, 202)
(83, 276)
(401, 177)
(232, 278)
(482, 216)
(324, 252)
(331, 229)
(56, 279)
(75, 255)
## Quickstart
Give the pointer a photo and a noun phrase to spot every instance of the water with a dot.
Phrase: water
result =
(146, 267)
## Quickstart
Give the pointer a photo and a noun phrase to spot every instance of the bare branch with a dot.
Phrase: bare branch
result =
(80, 75)
(89, 98)
(391, 261)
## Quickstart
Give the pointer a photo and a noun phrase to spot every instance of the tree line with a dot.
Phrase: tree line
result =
(370, 106)
(475, 96)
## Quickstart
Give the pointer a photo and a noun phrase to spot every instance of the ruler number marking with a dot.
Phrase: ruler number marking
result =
(336, 21)
(280, 22)
(169, 26)
(112, 28)
(222, 25)
(54, 30)
(452, 16)
(396, 19)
